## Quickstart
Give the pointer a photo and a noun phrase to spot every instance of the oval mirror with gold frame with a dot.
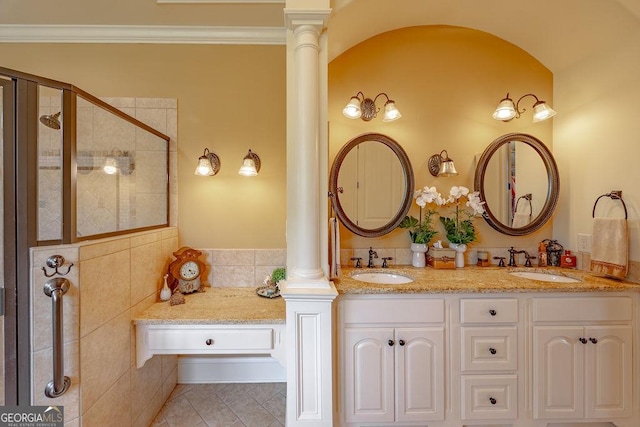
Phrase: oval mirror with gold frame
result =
(371, 185)
(518, 179)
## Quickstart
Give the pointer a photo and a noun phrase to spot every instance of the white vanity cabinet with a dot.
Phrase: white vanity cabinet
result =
(582, 357)
(489, 358)
(392, 359)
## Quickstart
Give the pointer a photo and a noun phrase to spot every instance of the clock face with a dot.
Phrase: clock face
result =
(189, 270)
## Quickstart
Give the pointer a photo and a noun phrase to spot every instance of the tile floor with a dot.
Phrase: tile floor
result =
(222, 405)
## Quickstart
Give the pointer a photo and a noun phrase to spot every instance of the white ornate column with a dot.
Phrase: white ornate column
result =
(307, 291)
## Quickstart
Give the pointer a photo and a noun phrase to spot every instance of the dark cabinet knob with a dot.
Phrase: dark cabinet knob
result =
(401, 342)
(493, 401)
(209, 341)
(492, 350)
(493, 312)
(391, 343)
(594, 340)
(583, 340)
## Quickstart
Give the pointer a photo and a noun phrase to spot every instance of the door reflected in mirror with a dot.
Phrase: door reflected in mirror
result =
(518, 178)
(371, 185)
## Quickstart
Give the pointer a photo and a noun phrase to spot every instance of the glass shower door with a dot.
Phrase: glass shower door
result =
(6, 125)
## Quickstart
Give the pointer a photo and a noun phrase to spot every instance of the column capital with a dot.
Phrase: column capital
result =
(317, 18)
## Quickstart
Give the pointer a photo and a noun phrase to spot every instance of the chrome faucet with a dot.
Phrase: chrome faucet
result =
(512, 258)
(372, 254)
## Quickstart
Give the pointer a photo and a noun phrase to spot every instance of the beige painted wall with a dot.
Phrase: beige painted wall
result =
(230, 99)
(446, 81)
(596, 139)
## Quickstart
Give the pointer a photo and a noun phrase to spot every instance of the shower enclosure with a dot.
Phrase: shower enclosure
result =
(74, 168)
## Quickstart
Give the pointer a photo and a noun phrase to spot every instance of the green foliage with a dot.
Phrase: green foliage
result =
(420, 232)
(278, 274)
(459, 230)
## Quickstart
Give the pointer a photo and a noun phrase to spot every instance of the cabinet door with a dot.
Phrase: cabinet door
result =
(420, 379)
(608, 390)
(558, 367)
(368, 374)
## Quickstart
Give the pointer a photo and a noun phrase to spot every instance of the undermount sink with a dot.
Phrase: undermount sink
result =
(544, 277)
(382, 278)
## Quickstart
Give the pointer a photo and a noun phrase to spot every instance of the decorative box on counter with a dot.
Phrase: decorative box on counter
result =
(441, 258)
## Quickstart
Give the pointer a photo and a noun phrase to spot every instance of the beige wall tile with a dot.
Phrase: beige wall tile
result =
(146, 271)
(145, 237)
(103, 247)
(105, 357)
(75, 422)
(169, 363)
(170, 383)
(169, 232)
(120, 102)
(144, 416)
(145, 383)
(113, 409)
(276, 257)
(43, 373)
(106, 291)
(156, 103)
(227, 257)
(233, 276)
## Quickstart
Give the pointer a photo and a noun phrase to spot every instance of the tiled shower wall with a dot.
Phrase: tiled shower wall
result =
(112, 280)
(109, 202)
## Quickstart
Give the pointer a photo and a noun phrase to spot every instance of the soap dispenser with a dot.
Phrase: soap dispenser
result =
(165, 293)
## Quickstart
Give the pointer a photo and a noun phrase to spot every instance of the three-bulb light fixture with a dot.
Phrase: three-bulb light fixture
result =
(360, 107)
(507, 110)
(209, 164)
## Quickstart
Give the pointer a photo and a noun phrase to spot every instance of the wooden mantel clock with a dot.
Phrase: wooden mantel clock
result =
(186, 270)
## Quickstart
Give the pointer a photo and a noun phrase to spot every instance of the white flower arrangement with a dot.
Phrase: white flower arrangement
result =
(459, 227)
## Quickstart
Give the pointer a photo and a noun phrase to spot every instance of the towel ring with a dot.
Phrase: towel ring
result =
(527, 197)
(614, 195)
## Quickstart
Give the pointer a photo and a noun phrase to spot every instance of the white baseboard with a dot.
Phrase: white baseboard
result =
(230, 369)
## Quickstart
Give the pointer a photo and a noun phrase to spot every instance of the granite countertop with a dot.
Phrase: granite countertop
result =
(472, 279)
(217, 305)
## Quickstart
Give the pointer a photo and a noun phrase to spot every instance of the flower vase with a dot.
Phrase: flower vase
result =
(419, 251)
(460, 249)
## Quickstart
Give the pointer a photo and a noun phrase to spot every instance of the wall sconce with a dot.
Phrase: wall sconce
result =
(507, 110)
(250, 165)
(118, 161)
(442, 165)
(363, 108)
(208, 164)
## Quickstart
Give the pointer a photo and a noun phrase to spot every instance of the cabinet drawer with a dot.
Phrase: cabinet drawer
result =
(489, 310)
(218, 339)
(393, 310)
(487, 397)
(489, 349)
(582, 309)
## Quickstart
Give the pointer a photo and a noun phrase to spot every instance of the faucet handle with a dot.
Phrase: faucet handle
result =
(358, 261)
(384, 261)
(501, 262)
(527, 263)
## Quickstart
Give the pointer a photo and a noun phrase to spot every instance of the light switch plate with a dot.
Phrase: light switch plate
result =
(584, 243)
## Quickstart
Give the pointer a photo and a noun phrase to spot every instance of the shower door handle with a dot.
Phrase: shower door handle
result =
(56, 288)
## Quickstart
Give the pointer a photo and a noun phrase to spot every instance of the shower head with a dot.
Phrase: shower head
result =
(51, 120)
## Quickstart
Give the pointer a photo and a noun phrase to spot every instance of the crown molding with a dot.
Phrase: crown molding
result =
(142, 34)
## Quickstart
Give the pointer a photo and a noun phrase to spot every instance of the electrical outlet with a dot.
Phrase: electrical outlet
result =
(584, 243)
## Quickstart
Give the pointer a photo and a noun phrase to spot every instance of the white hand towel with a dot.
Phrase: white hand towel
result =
(610, 247)
(334, 245)
(520, 219)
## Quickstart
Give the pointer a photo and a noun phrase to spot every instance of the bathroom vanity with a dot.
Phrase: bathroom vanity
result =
(220, 321)
(479, 346)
